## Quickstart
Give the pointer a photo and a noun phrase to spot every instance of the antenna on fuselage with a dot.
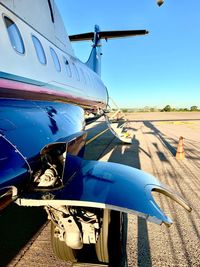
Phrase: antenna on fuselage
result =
(94, 61)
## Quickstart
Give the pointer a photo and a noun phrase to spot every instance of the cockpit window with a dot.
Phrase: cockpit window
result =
(55, 59)
(14, 35)
(39, 50)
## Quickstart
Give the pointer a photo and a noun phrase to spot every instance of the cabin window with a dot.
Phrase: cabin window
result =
(55, 59)
(14, 35)
(67, 67)
(39, 50)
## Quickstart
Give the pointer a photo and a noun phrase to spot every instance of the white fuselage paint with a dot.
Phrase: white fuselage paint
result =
(34, 18)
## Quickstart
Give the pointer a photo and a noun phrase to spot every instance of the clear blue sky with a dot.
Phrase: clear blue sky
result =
(155, 70)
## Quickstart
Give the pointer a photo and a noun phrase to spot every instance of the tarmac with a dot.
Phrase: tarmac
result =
(25, 235)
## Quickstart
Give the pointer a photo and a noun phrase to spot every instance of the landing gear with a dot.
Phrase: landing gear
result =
(107, 248)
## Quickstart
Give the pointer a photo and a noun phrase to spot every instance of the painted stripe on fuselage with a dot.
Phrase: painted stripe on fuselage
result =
(17, 78)
(21, 87)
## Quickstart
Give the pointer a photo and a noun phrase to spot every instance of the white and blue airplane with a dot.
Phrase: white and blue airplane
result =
(44, 91)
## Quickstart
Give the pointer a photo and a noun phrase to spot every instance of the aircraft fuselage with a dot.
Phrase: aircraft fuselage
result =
(37, 61)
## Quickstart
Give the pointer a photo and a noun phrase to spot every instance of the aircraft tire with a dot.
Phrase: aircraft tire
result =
(102, 243)
(61, 250)
(108, 246)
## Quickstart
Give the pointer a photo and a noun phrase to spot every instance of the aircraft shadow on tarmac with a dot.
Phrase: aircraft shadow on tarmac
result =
(17, 226)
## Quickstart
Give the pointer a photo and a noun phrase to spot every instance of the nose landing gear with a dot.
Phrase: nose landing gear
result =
(107, 250)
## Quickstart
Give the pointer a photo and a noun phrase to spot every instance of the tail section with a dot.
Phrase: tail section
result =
(94, 61)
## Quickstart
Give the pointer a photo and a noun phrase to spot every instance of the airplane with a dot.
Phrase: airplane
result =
(44, 91)
(160, 2)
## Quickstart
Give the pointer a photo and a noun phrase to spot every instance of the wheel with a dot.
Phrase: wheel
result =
(102, 243)
(60, 248)
(64, 252)
(108, 246)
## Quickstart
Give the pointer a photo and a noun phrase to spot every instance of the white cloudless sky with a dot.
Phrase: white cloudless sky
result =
(155, 70)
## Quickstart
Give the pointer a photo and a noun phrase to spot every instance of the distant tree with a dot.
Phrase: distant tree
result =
(194, 108)
(167, 108)
(182, 109)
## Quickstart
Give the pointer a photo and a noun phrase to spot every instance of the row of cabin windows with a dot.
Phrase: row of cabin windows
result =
(18, 44)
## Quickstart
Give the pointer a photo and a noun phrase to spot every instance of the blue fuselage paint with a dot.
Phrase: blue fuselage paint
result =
(26, 127)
